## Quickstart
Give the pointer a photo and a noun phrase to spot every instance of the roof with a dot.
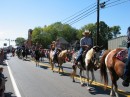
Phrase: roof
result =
(63, 41)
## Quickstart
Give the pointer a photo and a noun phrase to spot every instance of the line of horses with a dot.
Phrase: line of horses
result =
(93, 62)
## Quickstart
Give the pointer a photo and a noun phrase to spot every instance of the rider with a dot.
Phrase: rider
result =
(126, 76)
(57, 48)
(86, 43)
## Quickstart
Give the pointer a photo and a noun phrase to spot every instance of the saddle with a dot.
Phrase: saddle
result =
(81, 63)
(122, 55)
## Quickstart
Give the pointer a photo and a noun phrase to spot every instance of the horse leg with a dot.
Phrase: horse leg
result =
(62, 68)
(93, 77)
(52, 65)
(36, 63)
(59, 67)
(87, 73)
(26, 56)
(74, 67)
(114, 89)
(81, 77)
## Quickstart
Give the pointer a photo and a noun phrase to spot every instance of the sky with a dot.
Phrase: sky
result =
(17, 16)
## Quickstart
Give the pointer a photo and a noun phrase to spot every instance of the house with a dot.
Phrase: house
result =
(64, 43)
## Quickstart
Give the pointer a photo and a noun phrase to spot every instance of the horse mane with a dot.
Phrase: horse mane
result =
(62, 53)
(103, 69)
(89, 54)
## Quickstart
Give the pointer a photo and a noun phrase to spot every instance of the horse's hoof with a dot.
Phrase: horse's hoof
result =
(73, 80)
(88, 88)
(82, 85)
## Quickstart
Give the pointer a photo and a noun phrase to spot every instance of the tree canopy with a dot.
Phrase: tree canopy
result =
(20, 41)
(45, 35)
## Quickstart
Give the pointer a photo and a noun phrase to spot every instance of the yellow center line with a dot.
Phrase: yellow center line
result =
(85, 80)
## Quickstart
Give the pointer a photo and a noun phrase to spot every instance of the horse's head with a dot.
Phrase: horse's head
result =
(97, 54)
(67, 55)
(97, 48)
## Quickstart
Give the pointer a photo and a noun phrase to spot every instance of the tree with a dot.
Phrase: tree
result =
(20, 41)
(104, 33)
(61, 30)
(115, 30)
(41, 37)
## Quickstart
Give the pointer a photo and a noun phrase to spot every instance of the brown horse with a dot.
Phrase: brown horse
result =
(91, 64)
(115, 66)
(61, 59)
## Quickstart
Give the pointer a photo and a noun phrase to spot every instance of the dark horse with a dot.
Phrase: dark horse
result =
(115, 66)
(91, 62)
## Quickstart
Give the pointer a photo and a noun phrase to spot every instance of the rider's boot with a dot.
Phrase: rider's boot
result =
(55, 58)
(83, 65)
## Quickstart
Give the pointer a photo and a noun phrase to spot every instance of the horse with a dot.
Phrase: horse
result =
(61, 59)
(51, 58)
(2, 86)
(23, 53)
(115, 66)
(2, 83)
(91, 63)
(13, 52)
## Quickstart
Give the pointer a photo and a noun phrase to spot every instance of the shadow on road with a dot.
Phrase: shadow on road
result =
(44, 67)
(26, 59)
(94, 90)
(67, 67)
(9, 94)
(3, 64)
(64, 74)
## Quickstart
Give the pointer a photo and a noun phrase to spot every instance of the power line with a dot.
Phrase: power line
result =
(79, 15)
(78, 12)
(83, 16)
(116, 3)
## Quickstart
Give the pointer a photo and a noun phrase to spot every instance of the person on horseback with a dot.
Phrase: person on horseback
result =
(57, 46)
(37, 55)
(2, 82)
(13, 51)
(126, 76)
(86, 43)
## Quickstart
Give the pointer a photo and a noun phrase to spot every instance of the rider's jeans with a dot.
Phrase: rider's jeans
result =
(127, 66)
(79, 56)
(55, 51)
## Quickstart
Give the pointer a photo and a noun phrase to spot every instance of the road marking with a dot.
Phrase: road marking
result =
(13, 82)
(85, 79)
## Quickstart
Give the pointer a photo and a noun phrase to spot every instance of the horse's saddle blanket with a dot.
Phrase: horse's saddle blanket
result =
(122, 55)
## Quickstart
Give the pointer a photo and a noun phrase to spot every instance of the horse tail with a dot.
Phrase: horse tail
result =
(103, 69)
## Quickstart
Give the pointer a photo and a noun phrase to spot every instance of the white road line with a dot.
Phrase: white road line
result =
(13, 82)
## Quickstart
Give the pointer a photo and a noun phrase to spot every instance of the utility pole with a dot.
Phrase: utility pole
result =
(98, 11)
(8, 41)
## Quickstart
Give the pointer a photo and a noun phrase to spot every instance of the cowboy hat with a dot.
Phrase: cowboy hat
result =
(86, 32)
(53, 42)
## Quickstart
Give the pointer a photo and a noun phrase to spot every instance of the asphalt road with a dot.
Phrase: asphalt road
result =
(32, 81)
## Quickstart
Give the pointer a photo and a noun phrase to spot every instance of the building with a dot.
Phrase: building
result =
(119, 42)
(29, 40)
(64, 43)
